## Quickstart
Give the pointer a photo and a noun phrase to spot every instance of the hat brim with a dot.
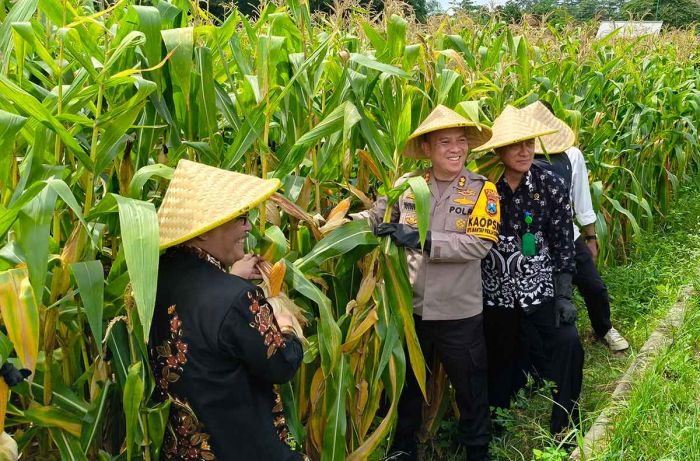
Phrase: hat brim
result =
(496, 143)
(476, 136)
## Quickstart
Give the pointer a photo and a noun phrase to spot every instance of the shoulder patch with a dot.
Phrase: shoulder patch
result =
(485, 219)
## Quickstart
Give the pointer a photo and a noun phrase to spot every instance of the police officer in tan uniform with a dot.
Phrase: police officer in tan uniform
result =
(446, 274)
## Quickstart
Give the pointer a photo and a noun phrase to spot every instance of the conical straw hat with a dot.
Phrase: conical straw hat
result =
(200, 198)
(552, 143)
(439, 119)
(513, 126)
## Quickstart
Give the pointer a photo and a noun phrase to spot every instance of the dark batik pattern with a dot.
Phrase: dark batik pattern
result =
(185, 438)
(511, 279)
(264, 322)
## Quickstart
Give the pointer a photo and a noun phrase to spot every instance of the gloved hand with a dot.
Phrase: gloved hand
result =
(403, 235)
(565, 311)
(12, 375)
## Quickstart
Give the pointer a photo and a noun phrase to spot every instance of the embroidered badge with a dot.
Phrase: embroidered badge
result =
(412, 219)
(462, 182)
(461, 224)
(464, 201)
(426, 176)
(466, 192)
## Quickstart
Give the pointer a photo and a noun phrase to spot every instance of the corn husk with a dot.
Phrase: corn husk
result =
(8, 448)
(273, 278)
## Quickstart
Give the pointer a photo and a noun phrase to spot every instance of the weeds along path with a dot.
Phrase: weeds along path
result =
(664, 262)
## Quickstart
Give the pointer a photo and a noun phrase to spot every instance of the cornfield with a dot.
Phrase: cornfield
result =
(98, 103)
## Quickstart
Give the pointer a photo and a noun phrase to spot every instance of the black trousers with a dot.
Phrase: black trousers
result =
(518, 343)
(461, 348)
(591, 286)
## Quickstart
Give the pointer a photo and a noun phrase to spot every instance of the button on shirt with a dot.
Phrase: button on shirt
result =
(511, 279)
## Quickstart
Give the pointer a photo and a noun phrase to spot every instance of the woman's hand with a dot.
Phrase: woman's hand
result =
(246, 267)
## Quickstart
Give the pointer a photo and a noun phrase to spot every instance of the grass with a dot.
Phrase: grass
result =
(661, 419)
(641, 292)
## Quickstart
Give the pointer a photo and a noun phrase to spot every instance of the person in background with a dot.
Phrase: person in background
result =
(529, 318)
(445, 274)
(572, 168)
(216, 347)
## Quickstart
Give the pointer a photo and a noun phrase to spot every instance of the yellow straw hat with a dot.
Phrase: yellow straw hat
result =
(513, 126)
(551, 143)
(439, 119)
(201, 197)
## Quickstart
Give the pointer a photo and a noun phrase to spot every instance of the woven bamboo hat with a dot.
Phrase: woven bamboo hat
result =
(551, 143)
(512, 126)
(200, 198)
(439, 119)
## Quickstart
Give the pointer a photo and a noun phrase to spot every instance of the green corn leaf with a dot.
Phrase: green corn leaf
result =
(20, 314)
(29, 106)
(422, 192)
(144, 174)
(139, 227)
(90, 278)
(180, 42)
(21, 11)
(371, 63)
(338, 385)
(10, 125)
(53, 417)
(206, 90)
(68, 445)
(34, 229)
(337, 243)
(157, 418)
(399, 298)
(133, 394)
(94, 419)
(329, 332)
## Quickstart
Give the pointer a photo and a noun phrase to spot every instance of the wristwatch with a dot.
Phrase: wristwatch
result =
(590, 237)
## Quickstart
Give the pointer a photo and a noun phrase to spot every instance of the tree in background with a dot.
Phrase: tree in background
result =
(510, 12)
(674, 13)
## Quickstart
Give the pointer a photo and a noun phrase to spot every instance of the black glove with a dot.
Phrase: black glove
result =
(403, 235)
(564, 309)
(12, 375)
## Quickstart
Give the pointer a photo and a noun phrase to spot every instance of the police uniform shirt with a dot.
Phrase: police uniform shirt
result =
(464, 223)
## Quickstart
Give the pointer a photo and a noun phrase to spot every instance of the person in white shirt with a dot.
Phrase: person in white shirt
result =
(572, 167)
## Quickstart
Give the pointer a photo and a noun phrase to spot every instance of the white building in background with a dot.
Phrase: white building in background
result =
(629, 28)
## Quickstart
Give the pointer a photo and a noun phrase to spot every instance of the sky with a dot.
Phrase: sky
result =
(446, 3)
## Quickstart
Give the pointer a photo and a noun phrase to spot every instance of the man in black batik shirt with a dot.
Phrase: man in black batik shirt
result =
(529, 318)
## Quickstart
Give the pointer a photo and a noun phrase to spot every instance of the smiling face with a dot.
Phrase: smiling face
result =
(447, 150)
(518, 157)
(226, 242)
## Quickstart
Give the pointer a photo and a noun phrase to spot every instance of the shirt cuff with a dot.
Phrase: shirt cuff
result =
(586, 218)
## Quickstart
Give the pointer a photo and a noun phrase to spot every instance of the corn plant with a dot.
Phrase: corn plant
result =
(98, 104)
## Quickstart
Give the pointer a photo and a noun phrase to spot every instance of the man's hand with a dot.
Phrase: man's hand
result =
(403, 235)
(246, 267)
(593, 247)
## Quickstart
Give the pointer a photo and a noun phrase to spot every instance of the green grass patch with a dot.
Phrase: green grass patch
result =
(661, 418)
